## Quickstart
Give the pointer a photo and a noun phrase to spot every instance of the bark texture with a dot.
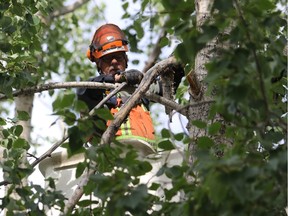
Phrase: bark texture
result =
(197, 76)
(203, 10)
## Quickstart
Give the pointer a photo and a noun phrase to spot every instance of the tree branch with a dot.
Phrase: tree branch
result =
(59, 143)
(59, 85)
(110, 132)
(94, 85)
(68, 9)
(153, 56)
(60, 12)
(149, 77)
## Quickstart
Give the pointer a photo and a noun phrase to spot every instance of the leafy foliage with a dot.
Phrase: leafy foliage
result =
(247, 78)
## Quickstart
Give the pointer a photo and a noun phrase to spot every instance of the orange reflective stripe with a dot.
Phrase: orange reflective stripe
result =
(117, 45)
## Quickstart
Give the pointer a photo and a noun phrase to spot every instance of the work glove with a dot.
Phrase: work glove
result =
(132, 76)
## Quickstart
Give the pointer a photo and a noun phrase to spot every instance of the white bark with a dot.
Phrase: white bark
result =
(25, 103)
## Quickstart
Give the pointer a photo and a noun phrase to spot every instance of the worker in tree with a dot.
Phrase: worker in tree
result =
(108, 50)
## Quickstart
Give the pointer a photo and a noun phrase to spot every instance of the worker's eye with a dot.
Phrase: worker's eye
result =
(109, 59)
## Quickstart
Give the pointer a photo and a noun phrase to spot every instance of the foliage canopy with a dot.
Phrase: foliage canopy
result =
(248, 80)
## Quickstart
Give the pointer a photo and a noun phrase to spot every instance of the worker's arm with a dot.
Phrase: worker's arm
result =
(93, 96)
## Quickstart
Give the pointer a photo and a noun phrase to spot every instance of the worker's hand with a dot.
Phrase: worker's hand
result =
(132, 77)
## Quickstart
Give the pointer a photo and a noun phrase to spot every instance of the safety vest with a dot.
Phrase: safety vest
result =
(138, 125)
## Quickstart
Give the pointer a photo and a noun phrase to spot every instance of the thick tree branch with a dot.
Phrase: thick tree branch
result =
(59, 85)
(94, 85)
(149, 77)
(109, 134)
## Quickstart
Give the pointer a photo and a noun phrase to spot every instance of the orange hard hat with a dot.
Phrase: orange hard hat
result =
(109, 38)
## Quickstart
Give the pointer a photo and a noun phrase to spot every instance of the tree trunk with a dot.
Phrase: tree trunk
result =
(23, 103)
(203, 10)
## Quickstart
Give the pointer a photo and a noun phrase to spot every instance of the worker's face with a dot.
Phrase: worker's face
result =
(111, 63)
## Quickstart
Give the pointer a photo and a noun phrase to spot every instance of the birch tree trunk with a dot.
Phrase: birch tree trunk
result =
(23, 103)
(203, 13)
(203, 9)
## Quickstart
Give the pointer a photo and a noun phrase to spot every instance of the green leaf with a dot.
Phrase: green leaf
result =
(80, 169)
(214, 128)
(179, 136)
(264, 5)
(166, 145)
(5, 22)
(205, 142)
(164, 42)
(63, 101)
(21, 143)
(104, 114)
(2, 122)
(75, 140)
(174, 172)
(143, 168)
(87, 203)
(209, 33)
(223, 5)
(22, 115)
(5, 46)
(18, 129)
(139, 29)
(5, 133)
(136, 197)
(154, 186)
(165, 133)
(161, 171)
(199, 124)
(125, 6)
